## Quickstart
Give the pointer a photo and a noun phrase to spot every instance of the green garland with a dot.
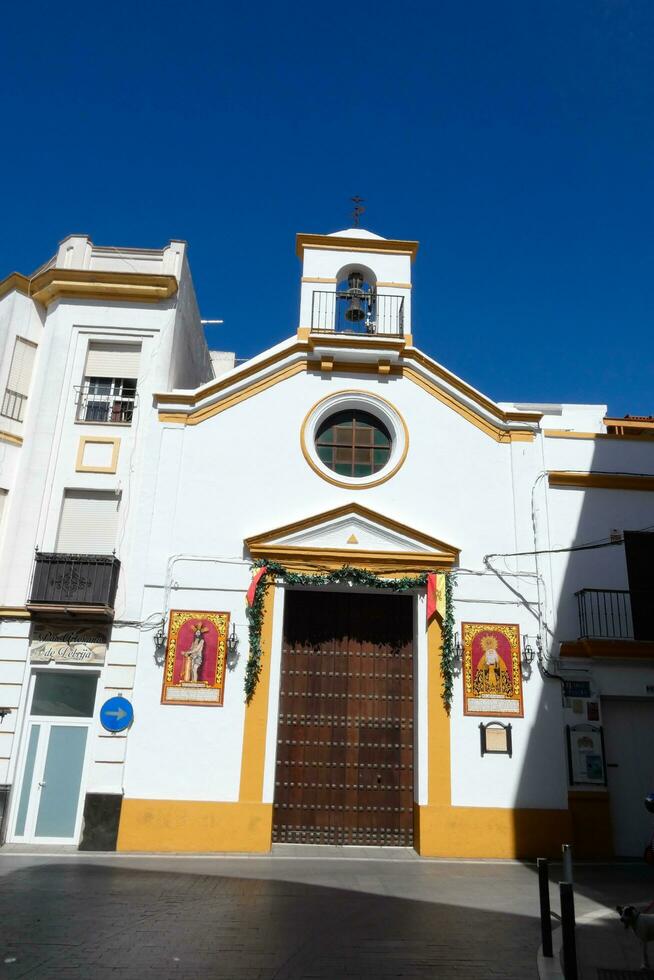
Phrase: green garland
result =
(353, 576)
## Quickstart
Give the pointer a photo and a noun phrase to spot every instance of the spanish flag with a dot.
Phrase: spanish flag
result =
(249, 598)
(435, 595)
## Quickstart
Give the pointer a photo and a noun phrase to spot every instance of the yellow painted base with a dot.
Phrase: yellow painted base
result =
(185, 825)
(490, 832)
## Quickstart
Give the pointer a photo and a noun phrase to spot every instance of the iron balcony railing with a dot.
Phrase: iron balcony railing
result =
(113, 407)
(74, 580)
(605, 614)
(13, 405)
(381, 315)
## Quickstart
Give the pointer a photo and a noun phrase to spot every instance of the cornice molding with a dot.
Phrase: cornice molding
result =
(14, 281)
(601, 481)
(138, 287)
(440, 554)
(335, 243)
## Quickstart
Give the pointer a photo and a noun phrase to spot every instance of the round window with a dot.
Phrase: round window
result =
(353, 443)
(354, 439)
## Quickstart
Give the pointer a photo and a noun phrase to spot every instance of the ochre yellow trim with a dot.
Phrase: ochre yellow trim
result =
(256, 717)
(439, 791)
(259, 545)
(14, 612)
(333, 479)
(492, 832)
(502, 432)
(377, 343)
(438, 371)
(104, 440)
(384, 365)
(192, 826)
(200, 415)
(627, 435)
(137, 287)
(14, 281)
(633, 423)
(11, 438)
(601, 481)
(327, 279)
(327, 364)
(609, 649)
(494, 431)
(226, 381)
(338, 244)
(378, 561)
(590, 813)
(394, 285)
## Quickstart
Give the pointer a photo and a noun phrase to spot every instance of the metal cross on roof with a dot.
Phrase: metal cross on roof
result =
(358, 209)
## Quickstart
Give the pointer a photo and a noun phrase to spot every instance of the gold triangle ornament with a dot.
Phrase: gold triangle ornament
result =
(352, 539)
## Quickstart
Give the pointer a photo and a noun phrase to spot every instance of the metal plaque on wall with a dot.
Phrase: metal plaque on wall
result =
(86, 645)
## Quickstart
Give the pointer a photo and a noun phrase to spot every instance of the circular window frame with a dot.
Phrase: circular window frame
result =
(363, 401)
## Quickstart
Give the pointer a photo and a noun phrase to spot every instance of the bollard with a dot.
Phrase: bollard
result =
(545, 916)
(568, 930)
(567, 863)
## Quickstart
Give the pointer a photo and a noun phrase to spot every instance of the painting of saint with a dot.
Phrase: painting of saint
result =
(491, 669)
(194, 671)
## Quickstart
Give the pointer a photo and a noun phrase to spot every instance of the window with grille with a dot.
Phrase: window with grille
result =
(18, 382)
(353, 443)
(108, 394)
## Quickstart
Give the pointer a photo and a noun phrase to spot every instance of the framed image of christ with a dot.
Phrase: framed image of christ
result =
(492, 682)
(194, 669)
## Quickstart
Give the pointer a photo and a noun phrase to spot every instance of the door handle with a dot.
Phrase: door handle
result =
(41, 784)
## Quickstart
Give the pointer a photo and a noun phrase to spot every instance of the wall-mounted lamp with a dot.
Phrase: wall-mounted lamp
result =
(232, 648)
(160, 645)
(529, 651)
(3, 713)
(458, 653)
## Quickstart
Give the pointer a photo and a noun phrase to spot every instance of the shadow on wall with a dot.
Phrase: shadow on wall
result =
(596, 514)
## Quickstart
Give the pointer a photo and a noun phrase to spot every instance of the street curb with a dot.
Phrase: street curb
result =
(550, 968)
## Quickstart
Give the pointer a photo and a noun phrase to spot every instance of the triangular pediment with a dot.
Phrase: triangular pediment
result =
(353, 535)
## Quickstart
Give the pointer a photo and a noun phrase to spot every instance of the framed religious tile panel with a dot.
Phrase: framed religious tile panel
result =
(492, 682)
(194, 669)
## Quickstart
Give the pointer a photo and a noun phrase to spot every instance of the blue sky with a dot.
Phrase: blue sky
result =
(513, 139)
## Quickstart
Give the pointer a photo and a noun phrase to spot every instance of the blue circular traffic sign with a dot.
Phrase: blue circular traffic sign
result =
(116, 714)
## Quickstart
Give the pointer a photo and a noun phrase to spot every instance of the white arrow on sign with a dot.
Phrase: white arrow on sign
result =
(117, 714)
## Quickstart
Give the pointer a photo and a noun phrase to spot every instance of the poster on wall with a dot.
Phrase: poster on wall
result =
(586, 755)
(492, 682)
(194, 670)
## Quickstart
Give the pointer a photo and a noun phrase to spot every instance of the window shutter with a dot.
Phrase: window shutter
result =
(88, 524)
(107, 360)
(20, 372)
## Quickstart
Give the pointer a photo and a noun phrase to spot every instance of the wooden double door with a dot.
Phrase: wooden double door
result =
(344, 766)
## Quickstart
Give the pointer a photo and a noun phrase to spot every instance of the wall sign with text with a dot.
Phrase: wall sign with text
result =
(84, 645)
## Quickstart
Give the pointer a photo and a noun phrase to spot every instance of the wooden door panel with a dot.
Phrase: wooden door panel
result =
(344, 768)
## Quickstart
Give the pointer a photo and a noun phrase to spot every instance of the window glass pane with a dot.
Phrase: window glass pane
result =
(353, 434)
(72, 695)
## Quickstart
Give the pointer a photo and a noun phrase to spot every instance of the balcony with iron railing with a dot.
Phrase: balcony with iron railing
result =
(13, 405)
(615, 614)
(74, 584)
(111, 402)
(368, 313)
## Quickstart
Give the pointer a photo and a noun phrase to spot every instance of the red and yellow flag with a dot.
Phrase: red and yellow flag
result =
(435, 595)
(258, 575)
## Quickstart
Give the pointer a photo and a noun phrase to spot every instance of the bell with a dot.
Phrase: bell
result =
(355, 298)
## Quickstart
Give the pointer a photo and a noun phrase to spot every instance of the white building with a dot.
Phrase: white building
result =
(150, 482)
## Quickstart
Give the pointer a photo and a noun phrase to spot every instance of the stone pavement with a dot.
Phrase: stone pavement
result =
(291, 915)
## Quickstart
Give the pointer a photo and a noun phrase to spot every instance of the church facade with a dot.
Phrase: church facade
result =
(348, 598)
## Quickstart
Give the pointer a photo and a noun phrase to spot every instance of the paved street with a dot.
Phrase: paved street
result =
(291, 915)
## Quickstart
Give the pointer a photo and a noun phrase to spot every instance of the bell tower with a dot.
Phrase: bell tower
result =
(355, 283)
